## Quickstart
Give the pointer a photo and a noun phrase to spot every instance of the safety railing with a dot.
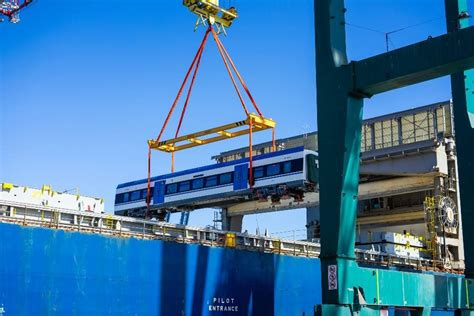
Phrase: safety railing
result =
(121, 226)
(31, 215)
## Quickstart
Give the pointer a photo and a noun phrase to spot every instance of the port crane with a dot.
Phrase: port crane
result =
(11, 9)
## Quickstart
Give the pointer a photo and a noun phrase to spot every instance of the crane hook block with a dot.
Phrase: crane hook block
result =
(209, 10)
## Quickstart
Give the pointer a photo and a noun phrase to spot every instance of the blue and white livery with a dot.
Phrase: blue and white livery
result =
(285, 173)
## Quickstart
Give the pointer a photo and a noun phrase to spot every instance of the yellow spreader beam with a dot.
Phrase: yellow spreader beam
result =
(212, 135)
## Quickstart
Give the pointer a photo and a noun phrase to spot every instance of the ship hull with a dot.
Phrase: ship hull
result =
(52, 272)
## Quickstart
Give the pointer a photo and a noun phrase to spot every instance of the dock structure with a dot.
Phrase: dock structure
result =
(345, 284)
(406, 157)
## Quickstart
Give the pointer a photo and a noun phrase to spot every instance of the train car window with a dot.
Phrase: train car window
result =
(258, 172)
(119, 198)
(126, 197)
(198, 183)
(171, 188)
(225, 178)
(297, 165)
(312, 170)
(135, 195)
(287, 167)
(273, 169)
(184, 186)
(211, 181)
(144, 192)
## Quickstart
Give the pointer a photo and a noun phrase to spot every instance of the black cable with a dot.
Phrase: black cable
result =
(364, 28)
(387, 38)
(396, 30)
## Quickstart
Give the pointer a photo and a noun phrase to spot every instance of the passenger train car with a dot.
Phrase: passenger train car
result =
(280, 174)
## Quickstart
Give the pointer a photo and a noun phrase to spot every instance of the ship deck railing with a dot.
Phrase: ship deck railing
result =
(33, 215)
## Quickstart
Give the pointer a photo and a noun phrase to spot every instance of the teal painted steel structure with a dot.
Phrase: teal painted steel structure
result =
(462, 84)
(342, 85)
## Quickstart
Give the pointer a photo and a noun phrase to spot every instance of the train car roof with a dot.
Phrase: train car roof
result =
(213, 166)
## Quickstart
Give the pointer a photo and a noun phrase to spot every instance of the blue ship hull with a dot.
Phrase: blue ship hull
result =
(52, 272)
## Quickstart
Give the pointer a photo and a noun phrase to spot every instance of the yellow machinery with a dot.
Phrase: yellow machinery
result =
(209, 10)
(430, 218)
(231, 130)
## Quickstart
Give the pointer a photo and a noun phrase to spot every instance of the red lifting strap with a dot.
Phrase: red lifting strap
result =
(229, 71)
(195, 64)
(190, 87)
(197, 58)
(222, 49)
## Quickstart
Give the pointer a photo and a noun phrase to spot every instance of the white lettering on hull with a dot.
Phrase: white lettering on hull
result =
(223, 304)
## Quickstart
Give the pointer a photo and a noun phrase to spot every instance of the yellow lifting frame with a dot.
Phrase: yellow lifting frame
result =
(215, 134)
(209, 12)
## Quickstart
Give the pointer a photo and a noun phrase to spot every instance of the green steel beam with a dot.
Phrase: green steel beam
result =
(380, 288)
(339, 171)
(339, 150)
(463, 103)
(432, 58)
(341, 87)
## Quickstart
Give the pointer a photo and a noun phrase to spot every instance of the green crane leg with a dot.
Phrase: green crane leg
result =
(463, 105)
(341, 86)
(340, 138)
(339, 128)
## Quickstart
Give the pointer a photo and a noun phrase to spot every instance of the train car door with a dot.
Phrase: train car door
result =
(241, 176)
(159, 192)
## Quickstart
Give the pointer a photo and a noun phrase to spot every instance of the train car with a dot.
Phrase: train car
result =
(281, 174)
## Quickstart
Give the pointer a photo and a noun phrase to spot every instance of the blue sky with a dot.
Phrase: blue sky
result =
(83, 85)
